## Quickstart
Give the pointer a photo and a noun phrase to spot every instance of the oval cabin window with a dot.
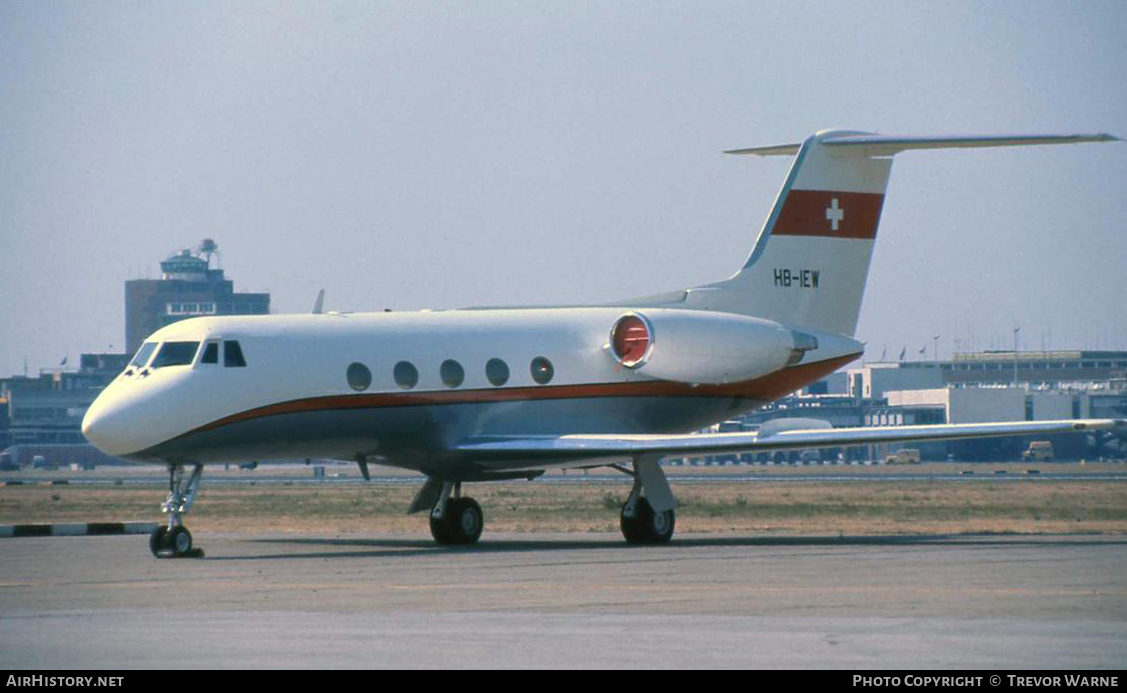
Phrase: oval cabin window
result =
(497, 372)
(542, 370)
(451, 373)
(406, 375)
(358, 376)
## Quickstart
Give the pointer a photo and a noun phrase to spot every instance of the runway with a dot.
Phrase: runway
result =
(566, 601)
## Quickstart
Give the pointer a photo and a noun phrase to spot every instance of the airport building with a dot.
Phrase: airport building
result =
(47, 409)
(188, 287)
(1038, 370)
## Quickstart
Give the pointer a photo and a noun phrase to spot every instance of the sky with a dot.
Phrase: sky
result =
(418, 154)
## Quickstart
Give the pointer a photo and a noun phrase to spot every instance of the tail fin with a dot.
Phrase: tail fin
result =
(811, 260)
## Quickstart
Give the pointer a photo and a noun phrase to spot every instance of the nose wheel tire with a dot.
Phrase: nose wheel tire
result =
(180, 539)
(172, 543)
(461, 522)
(647, 526)
(157, 540)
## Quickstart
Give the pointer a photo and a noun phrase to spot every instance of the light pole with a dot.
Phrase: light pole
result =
(1016, 330)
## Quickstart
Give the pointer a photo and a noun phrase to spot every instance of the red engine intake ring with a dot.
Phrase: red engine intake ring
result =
(631, 339)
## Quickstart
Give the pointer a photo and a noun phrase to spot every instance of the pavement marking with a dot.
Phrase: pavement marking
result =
(77, 529)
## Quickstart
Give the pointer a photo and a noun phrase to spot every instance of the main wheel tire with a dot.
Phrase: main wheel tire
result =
(467, 519)
(440, 529)
(461, 523)
(157, 540)
(180, 541)
(647, 526)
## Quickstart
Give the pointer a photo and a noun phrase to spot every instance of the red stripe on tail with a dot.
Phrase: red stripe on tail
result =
(829, 214)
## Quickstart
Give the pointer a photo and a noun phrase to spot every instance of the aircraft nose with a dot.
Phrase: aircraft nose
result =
(106, 426)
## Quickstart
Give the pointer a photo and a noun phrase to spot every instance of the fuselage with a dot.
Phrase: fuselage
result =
(404, 387)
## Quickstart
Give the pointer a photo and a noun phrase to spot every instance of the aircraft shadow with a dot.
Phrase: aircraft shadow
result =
(404, 548)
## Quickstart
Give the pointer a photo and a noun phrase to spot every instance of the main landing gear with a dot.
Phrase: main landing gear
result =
(647, 516)
(456, 520)
(174, 540)
(641, 524)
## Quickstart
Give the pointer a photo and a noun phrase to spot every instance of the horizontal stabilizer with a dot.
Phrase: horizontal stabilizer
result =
(887, 145)
(770, 150)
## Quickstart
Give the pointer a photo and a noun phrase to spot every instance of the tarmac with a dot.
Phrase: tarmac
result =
(566, 600)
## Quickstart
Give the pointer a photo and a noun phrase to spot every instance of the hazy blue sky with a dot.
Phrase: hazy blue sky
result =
(418, 154)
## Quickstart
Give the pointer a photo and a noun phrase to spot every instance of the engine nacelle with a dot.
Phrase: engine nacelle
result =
(704, 347)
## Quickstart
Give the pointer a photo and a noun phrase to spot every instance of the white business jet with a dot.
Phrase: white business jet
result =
(486, 394)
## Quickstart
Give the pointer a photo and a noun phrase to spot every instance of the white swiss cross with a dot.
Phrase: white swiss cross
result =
(834, 214)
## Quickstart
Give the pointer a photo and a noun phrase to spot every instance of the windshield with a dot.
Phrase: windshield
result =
(176, 354)
(143, 355)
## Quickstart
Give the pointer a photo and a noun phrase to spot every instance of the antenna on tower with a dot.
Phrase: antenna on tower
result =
(208, 247)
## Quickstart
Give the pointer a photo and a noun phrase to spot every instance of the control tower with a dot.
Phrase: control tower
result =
(188, 287)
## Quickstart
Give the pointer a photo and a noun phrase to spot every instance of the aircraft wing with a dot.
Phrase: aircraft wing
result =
(576, 449)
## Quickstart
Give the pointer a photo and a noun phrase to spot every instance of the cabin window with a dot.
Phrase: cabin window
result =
(143, 355)
(358, 376)
(497, 372)
(233, 355)
(542, 370)
(451, 373)
(406, 375)
(176, 354)
(210, 353)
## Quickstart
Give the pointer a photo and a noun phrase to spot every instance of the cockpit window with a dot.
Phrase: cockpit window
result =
(210, 353)
(233, 355)
(175, 354)
(143, 355)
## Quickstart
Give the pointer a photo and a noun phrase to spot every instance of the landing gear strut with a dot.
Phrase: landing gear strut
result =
(174, 540)
(647, 517)
(456, 520)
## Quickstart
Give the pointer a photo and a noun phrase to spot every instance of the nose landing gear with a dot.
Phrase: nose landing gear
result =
(174, 540)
